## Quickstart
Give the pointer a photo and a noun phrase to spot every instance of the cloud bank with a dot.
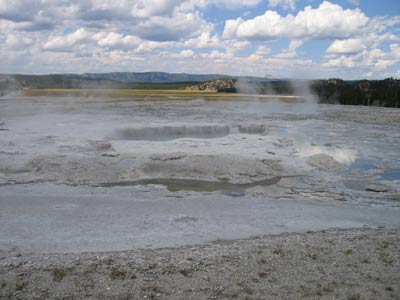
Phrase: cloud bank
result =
(250, 37)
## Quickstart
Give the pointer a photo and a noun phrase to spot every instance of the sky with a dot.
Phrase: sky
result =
(349, 39)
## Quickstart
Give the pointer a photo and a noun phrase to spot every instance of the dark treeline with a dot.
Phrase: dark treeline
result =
(335, 91)
(365, 92)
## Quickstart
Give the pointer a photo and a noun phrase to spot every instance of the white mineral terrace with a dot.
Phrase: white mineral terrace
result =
(93, 174)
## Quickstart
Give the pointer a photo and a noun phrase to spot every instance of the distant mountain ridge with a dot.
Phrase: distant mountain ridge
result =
(154, 77)
(117, 79)
(163, 77)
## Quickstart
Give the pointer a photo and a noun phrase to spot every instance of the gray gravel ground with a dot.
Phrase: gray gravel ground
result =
(335, 264)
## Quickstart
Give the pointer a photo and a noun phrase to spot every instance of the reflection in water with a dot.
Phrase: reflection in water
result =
(195, 185)
(380, 169)
(391, 174)
(311, 142)
(364, 164)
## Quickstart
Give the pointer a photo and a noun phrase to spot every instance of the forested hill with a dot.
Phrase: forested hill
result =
(336, 91)
(365, 92)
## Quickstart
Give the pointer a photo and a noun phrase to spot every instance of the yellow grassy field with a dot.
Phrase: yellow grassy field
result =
(149, 94)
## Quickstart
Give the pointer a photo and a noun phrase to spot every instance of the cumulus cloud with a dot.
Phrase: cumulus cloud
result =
(39, 36)
(19, 10)
(148, 8)
(365, 52)
(96, 10)
(291, 50)
(395, 51)
(224, 3)
(63, 43)
(204, 40)
(153, 19)
(184, 54)
(153, 47)
(346, 46)
(15, 42)
(82, 36)
(29, 15)
(260, 53)
(328, 21)
(231, 27)
(375, 59)
(181, 25)
(114, 40)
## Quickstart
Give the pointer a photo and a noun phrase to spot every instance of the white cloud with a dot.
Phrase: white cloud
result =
(217, 55)
(224, 3)
(260, 53)
(39, 36)
(286, 4)
(237, 2)
(341, 62)
(36, 15)
(373, 59)
(328, 21)
(19, 10)
(231, 27)
(109, 40)
(184, 54)
(346, 46)
(368, 74)
(148, 8)
(14, 42)
(115, 40)
(204, 40)
(152, 46)
(237, 46)
(395, 51)
(263, 50)
(63, 43)
(291, 51)
(181, 25)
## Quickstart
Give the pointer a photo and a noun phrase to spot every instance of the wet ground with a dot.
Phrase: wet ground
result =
(99, 174)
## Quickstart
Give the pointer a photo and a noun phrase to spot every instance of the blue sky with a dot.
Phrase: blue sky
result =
(351, 39)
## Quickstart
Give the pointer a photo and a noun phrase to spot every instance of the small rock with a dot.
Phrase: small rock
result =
(376, 188)
(110, 154)
(102, 145)
(168, 156)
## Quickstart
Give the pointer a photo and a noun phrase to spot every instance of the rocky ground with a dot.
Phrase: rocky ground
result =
(334, 264)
